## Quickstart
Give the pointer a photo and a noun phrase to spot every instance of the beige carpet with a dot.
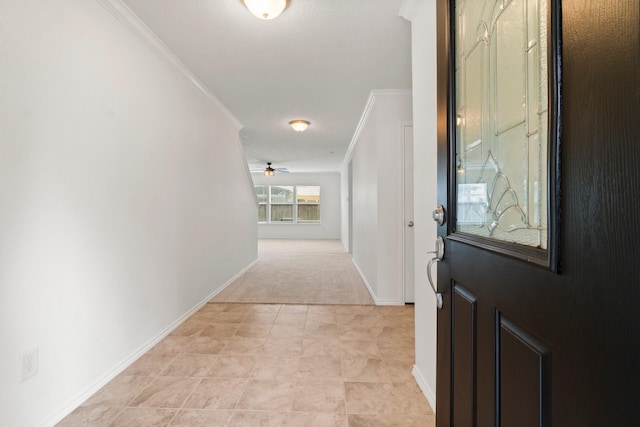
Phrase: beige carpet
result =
(299, 272)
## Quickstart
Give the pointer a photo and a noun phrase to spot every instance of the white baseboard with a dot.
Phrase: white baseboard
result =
(128, 361)
(376, 300)
(366, 282)
(230, 281)
(426, 390)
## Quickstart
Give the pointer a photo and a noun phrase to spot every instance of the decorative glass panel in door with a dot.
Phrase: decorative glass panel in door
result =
(501, 127)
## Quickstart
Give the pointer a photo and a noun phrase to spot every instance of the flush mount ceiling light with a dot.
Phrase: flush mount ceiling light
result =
(269, 171)
(299, 125)
(266, 9)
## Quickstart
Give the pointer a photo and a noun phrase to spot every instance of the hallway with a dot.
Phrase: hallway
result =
(271, 365)
(300, 271)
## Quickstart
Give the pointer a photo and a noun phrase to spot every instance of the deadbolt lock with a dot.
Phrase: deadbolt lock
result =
(439, 215)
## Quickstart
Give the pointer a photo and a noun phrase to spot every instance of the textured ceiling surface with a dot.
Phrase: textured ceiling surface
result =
(317, 61)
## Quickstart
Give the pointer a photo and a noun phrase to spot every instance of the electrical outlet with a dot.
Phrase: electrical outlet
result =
(29, 364)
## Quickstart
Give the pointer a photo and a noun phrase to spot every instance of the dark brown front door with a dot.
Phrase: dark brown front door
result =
(540, 324)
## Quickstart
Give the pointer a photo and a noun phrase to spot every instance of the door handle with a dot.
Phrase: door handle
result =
(410, 224)
(439, 255)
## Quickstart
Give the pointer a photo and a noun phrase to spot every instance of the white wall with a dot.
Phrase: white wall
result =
(376, 155)
(422, 14)
(329, 227)
(114, 223)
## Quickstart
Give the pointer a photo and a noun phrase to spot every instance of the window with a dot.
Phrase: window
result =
(279, 204)
(308, 200)
(262, 191)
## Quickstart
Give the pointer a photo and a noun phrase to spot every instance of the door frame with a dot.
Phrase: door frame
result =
(408, 286)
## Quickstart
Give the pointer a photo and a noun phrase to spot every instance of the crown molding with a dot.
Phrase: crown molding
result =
(373, 95)
(134, 24)
(409, 9)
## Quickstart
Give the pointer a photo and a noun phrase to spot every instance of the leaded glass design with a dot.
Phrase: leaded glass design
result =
(501, 119)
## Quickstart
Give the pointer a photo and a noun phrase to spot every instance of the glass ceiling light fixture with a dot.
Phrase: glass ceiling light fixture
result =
(299, 125)
(269, 171)
(266, 9)
(460, 169)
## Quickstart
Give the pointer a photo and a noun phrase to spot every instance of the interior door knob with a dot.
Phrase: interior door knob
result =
(410, 224)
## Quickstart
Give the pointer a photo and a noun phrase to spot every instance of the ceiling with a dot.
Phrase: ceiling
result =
(317, 61)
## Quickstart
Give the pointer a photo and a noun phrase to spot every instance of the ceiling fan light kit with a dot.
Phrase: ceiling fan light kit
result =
(269, 171)
(299, 125)
(265, 9)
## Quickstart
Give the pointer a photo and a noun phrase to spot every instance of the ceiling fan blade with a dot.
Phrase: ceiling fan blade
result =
(282, 170)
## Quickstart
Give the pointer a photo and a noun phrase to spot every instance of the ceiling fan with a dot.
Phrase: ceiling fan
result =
(269, 171)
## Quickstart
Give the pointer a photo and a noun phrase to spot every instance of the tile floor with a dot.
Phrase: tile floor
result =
(271, 365)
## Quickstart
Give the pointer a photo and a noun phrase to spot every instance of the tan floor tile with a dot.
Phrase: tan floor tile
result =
(261, 317)
(190, 365)
(321, 346)
(321, 309)
(216, 393)
(302, 419)
(314, 329)
(345, 318)
(395, 332)
(400, 370)
(190, 328)
(165, 392)
(172, 344)
(119, 392)
(390, 351)
(357, 333)
(396, 420)
(150, 364)
(144, 417)
(201, 418)
(263, 371)
(364, 370)
(262, 308)
(214, 307)
(286, 318)
(354, 309)
(267, 395)
(287, 330)
(271, 367)
(398, 310)
(232, 366)
(290, 346)
(358, 348)
(319, 367)
(238, 308)
(294, 308)
(93, 416)
(360, 320)
(398, 321)
(206, 345)
(406, 398)
(253, 331)
(319, 396)
(205, 316)
(220, 330)
(330, 318)
(366, 398)
(258, 419)
(242, 345)
(230, 317)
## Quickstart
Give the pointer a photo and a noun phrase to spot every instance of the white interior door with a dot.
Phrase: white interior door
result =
(409, 258)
